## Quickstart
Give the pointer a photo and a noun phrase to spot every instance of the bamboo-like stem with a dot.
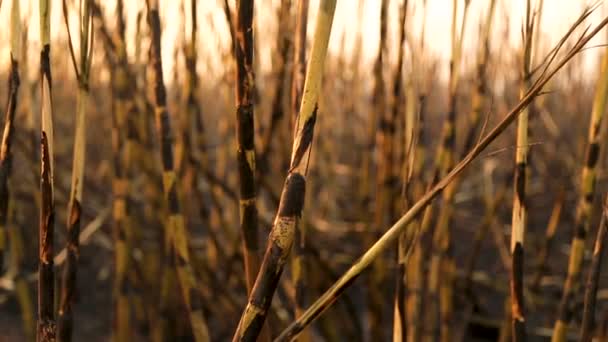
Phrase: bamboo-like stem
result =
(384, 138)
(82, 65)
(416, 276)
(15, 234)
(292, 198)
(284, 47)
(548, 240)
(176, 234)
(120, 186)
(585, 202)
(9, 123)
(229, 20)
(399, 327)
(593, 278)
(299, 261)
(245, 138)
(519, 214)
(128, 140)
(325, 301)
(479, 97)
(46, 330)
(491, 207)
(442, 261)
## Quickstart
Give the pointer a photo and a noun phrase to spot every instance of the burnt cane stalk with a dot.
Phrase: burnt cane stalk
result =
(299, 262)
(292, 197)
(384, 137)
(46, 330)
(176, 235)
(585, 202)
(9, 124)
(245, 132)
(391, 235)
(82, 65)
(593, 278)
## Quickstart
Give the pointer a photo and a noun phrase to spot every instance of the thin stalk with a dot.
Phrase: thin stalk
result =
(245, 133)
(384, 138)
(176, 234)
(120, 184)
(245, 136)
(9, 123)
(442, 261)
(417, 208)
(593, 278)
(82, 65)
(284, 47)
(585, 202)
(292, 198)
(480, 91)
(46, 330)
(399, 328)
(299, 261)
(519, 213)
(548, 240)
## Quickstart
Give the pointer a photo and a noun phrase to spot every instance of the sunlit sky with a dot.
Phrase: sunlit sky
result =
(214, 37)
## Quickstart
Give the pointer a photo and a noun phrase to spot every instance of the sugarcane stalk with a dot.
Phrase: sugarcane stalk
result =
(442, 261)
(391, 235)
(585, 202)
(9, 125)
(46, 330)
(175, 231)
(399, 326)
(593, 278)
(384, 137)
(245, 138)
(299, 262)
(292, 198)
(82, 65)
(519, 213)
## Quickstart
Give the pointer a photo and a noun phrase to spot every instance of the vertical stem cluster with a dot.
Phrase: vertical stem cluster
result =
(245, 133)
(519, 214)
(176, 235)
(121, 92)
(46, 275)
(384, 137)
(442, 262)
(82, 65)
(585, 203)
(9, 124)
(292, 197)
(593, 278)
(398, 96)
(284, 47)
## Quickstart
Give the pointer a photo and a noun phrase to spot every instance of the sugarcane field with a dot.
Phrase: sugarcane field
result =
(304, 170)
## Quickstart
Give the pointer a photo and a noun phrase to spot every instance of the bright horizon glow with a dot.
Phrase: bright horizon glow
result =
(214, 37)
